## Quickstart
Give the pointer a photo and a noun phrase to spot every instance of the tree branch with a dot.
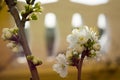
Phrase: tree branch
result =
(79, 66)
(22, 38)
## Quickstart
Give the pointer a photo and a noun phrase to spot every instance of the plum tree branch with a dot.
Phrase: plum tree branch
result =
(22, 37)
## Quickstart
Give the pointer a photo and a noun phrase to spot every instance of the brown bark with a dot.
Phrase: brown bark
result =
(80, 64)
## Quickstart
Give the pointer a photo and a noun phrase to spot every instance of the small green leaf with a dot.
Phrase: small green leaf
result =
(28, 8)
(37, 5)
(34, 17)
(22, 13)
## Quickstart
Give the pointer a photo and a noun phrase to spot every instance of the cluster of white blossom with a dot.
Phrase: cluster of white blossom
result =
(11, 35)
(81, 40)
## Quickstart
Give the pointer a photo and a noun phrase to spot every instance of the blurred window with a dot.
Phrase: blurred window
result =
(104, 32)
(50, 24)
(77, 20)
(90, 2)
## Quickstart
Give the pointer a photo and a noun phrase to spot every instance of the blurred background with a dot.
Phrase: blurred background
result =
(47, 37)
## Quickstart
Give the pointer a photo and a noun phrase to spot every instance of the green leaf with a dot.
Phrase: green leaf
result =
(22, 13)
(34, 17)
(37, 5)
(28, 8)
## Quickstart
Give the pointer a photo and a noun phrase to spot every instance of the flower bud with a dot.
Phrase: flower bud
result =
(8, 35)
(39, 62)
(97, 46)
(14, 29)
(30, 57)
(11, 45)
(92, 51)
(36, 61)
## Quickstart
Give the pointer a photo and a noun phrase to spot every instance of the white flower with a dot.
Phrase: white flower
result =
(6, 34)
(9, 34)
(61, 58)
(91, 33)
(11, 44)
(92, 51)
(82, 40)
(75, 52)
(72, 40)
(5, 30)
(84, 32)
(97, 46)
(76, 32)
(61, 65)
